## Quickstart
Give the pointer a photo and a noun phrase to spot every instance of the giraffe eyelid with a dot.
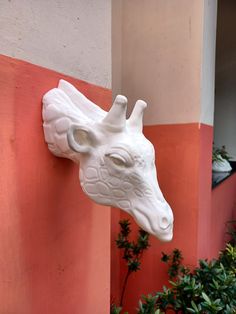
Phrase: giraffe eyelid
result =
(120, 157)
(117, 157)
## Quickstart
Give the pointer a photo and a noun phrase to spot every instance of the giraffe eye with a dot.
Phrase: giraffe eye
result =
(117, 160)
(119, 157)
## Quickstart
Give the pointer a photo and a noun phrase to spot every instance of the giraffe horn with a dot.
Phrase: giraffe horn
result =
(116, 117)
(135, 121)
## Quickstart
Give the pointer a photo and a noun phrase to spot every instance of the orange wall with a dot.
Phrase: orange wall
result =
(183, 162)
(54, 242)
(183, 154)
(204, 190)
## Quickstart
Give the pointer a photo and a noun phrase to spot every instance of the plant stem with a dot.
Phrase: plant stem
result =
(124, 287)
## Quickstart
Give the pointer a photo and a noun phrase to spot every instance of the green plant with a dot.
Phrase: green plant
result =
(115, 309)
(209, 288)
(132, 254)
(219, 153)
(174, 261)
(228, 258)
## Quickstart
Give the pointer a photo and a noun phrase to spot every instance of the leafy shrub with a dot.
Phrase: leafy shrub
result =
(219, 153)
(132, 254)
(210, 288)
(174, 261)
(115, 309)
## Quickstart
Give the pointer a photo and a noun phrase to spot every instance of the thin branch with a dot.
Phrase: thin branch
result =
(124, 287)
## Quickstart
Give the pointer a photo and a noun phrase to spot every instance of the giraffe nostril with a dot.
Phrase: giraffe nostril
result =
(164, 223)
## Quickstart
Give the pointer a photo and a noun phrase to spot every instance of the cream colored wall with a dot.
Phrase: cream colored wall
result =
(117, 23)
(208, 62)
(73, 37)
(168, 58)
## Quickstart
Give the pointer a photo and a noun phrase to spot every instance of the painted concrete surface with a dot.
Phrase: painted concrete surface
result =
(161, 58)
(208, 62)
(72, 37)
(166, 51)
(167, 58)
(54, 242)
(204, 191)
(179, 166)
(117, 26)
(183, 157)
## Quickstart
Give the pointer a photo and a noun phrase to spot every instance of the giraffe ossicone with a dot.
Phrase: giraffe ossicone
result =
(116, 161)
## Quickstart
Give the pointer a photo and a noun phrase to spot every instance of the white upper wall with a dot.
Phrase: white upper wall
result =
(117, 22)
(208, 62)
(167, 58)
(72, 36)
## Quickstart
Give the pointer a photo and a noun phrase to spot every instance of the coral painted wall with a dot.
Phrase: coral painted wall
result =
(54, 242)
(184, 175)
(168, 60)
(183, 157)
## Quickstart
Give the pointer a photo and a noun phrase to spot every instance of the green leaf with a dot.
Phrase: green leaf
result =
(206, 298)
(194, 306)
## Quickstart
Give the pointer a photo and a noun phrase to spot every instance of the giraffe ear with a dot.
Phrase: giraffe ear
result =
(81, 139)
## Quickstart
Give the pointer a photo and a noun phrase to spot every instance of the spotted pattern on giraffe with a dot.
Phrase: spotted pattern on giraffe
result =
(116, 161)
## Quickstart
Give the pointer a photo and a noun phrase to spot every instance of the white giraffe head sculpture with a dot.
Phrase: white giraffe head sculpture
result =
(117, 162)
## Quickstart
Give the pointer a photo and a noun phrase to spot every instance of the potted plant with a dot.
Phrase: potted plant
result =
(220, 160)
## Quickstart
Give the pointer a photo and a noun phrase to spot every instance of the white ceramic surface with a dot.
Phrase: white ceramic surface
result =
(117, 162)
